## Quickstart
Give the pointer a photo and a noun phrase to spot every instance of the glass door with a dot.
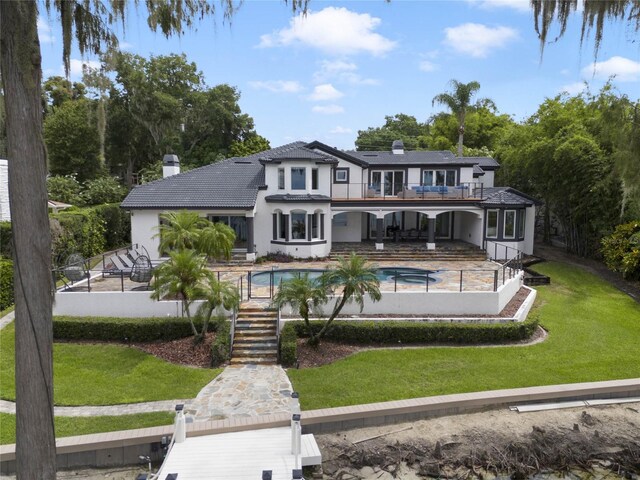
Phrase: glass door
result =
(443, 225)
(389, 182)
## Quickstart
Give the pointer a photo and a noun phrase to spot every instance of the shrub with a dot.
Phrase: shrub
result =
(221, 346)
(6, 249)
(621, 250)
(81, 230)
(392, 332)
(6, 283)
(117, 225)
(64, 188)
(103, 190)
(120, 329)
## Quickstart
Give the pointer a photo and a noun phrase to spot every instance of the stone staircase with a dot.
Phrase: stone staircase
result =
(255, 341)
(449, 252)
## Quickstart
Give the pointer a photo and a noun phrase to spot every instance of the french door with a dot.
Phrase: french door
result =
(388, 182)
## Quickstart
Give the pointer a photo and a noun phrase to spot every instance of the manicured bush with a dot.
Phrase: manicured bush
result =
(117, 225)
(121, 329)
(221, 346)
(621, 250)
(5, 240)
(393, 332)
(104, 189)
(6, 283)
(65, 189)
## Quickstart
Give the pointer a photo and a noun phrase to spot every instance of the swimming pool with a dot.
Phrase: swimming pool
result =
(404, 275)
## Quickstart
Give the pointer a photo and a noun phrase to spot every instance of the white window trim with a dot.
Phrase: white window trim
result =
(340, 172)
(284, 178)
(486, 232)
(504, 225)
(433, 175)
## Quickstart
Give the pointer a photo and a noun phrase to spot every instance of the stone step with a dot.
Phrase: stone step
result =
(254, 346)
(253, 353)
(250, 337)
(256, 311)
(256, 331)
(253, 361)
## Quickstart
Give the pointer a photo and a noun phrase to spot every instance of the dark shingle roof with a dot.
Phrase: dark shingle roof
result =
(298, 153)
(507, 196)
(232, 183)
(477, 171)
(423, 157)
(298, 198)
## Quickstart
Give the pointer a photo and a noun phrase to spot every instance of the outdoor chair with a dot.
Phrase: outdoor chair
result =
(142, 272)
(75, 268)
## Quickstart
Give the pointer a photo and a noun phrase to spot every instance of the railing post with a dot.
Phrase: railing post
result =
(503, 274)
(427, 282)
(271, 284)
(122, 280)
(249, 285)
(395, 281)
(495, 280)
(495, 251)
(88, 280)
(461, 280)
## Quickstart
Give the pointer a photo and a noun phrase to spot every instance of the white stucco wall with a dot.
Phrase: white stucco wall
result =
(413, 177)
(466, 175)
(144, 225)
(469, 227)
(488, 178)
(529, 230)
(5, 214)
(349, 233)
(358, 178)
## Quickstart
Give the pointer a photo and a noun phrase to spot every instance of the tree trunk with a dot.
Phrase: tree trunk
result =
(460, 139)
(20, 62)
(315, 340)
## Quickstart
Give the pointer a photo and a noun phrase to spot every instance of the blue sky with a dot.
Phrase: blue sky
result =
(348, 64)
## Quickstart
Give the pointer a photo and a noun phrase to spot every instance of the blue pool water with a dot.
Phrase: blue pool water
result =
(405, 275)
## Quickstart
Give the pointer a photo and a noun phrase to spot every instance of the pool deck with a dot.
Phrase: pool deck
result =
(467, 276)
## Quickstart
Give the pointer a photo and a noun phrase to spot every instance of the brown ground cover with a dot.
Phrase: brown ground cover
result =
(182, 351)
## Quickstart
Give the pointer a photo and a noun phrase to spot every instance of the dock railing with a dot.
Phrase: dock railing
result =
(407, 191)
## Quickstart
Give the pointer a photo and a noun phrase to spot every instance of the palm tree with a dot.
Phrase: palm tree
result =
(303, 294)
(216, 294)
(357, 279)
(181, 276)
(458, 101)
(188, 230)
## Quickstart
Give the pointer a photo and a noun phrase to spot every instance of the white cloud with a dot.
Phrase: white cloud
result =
(328, 109)
(427, 66)
(44, 31)
(125, 45)
(342, 72)
(325, 92)
(518, 5)
(75, 66)
(340, 130)
(565, 72)
(478, 40)
(574, 88)
(624, 69)
(277, 86)
(336, 31)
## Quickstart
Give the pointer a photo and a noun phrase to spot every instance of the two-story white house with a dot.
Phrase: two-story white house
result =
(302, 197)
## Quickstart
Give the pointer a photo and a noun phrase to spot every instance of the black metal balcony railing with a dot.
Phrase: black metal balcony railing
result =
(407, 191)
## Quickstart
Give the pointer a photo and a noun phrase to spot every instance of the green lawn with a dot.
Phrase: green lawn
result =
(104, 374)
(70, 426)
(594, 333)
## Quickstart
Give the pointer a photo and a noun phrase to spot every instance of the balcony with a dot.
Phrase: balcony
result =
(409, 192)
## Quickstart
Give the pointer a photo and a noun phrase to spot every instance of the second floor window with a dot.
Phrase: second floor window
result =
(314, 179)
(439, 178)
(281, 179)
(298, 178)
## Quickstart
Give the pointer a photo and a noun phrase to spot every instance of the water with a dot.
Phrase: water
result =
(403, 275)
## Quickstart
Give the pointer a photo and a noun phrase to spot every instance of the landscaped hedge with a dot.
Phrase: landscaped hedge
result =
(221, 346)
(117, 225)
(392, 332)
(122, 329)
(77, 230)
(5, 239)
(6, 283)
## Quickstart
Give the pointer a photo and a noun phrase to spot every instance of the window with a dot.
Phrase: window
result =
(314, 179)
(282, 226)
(315, 225)
(492, 223)
(340, 220)
(341, 175)
(509, 224)
(281, 179)
(298, 178)
(439, 178)
(298, 225)
(387, 182)
(521, 218)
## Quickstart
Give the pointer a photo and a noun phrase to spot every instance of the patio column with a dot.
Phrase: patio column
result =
(379, 233)
(431, 233)
(251, 248)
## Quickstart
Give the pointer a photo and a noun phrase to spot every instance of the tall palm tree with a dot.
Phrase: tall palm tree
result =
(357, 279)
(181, 276)
(458, 101)
(216, 294)
(303, 294)
(188, 230)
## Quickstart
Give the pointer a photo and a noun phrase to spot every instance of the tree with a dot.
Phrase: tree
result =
(64, 189)
(188, 230)
(303, 294)
(72, 139)
(397, 127)
(594, 15)
(21, 66)
(458, 101)
(252, 144)
(103, 189)
(58, 90)
(181, 276)
(216, 295)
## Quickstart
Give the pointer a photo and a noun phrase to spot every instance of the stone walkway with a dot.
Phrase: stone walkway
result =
(243, 391)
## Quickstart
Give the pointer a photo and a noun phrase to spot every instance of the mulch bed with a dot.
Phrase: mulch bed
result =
(182, 351)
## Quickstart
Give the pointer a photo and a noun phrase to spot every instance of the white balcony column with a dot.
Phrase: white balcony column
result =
(431, 233)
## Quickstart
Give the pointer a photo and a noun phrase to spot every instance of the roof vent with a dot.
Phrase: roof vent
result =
(397, 147)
